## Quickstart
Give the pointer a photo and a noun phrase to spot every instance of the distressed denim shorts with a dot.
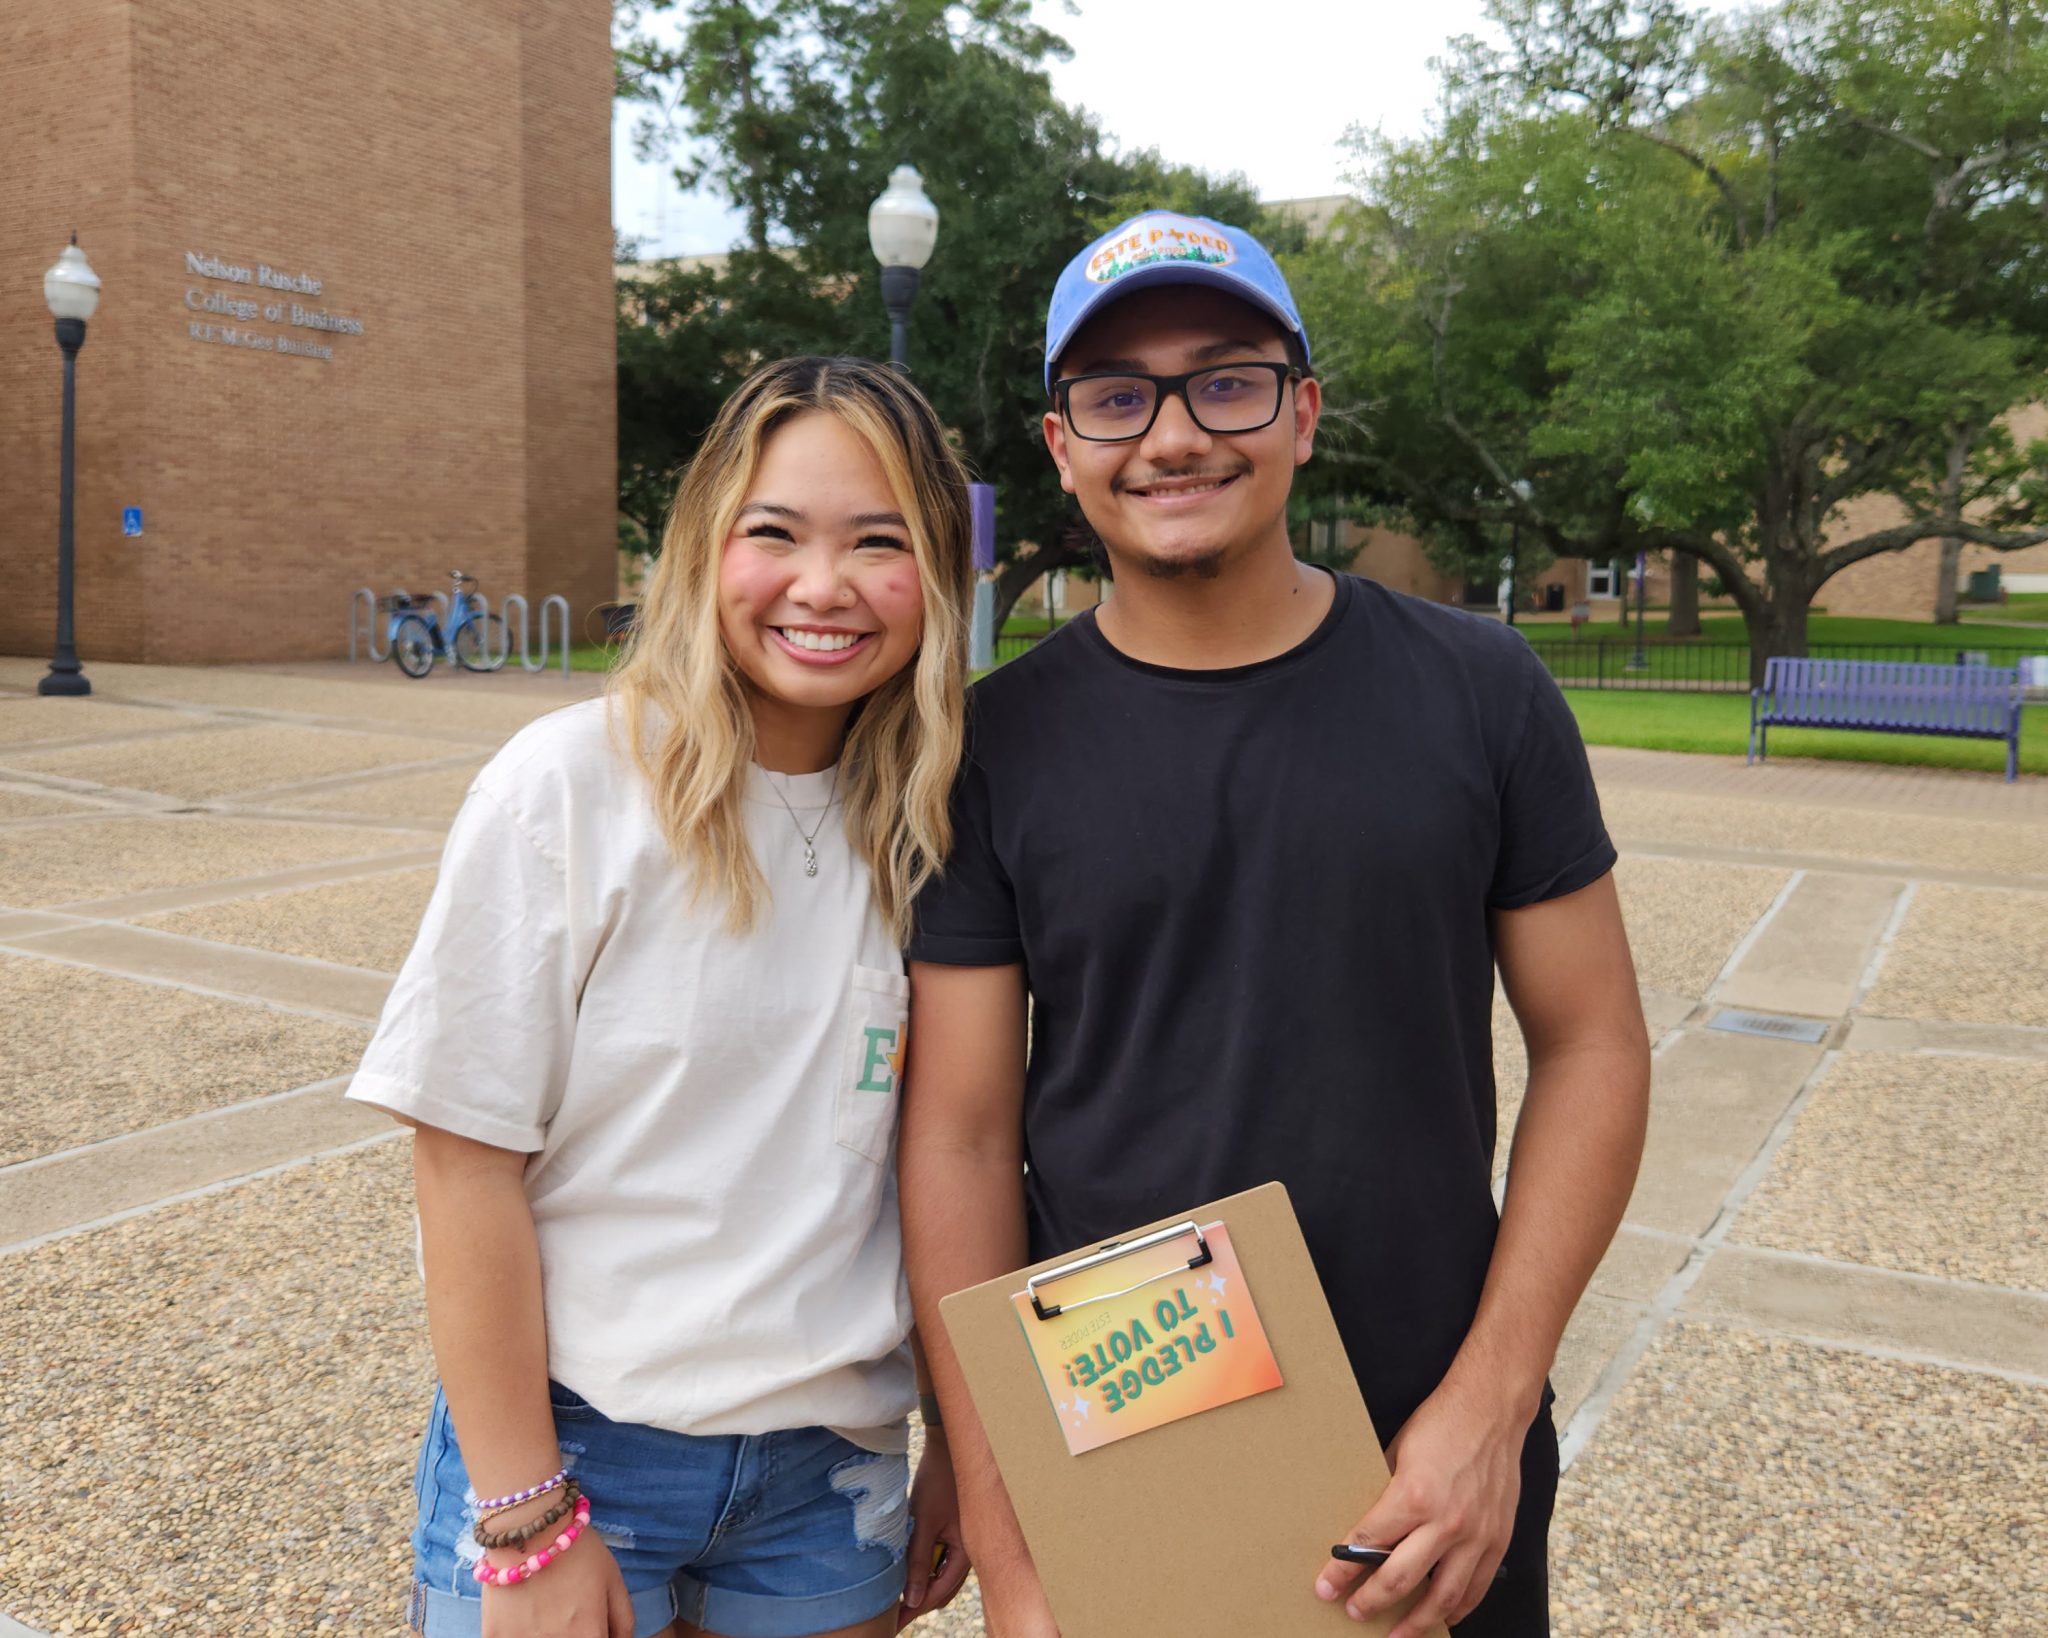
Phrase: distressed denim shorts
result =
(772, 1535)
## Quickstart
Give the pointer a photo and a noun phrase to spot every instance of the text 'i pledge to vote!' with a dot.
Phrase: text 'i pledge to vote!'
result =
(1183, 1342)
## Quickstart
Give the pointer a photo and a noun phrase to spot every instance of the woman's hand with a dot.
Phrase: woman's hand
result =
(580, 1595)
(935, 1506)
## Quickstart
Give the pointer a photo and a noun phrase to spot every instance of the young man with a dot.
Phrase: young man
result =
(1253, 839)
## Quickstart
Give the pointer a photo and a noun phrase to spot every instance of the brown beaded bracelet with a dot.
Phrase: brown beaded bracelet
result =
(519, 1534)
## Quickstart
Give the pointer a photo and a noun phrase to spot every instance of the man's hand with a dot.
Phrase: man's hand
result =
(935, 1505)
(1450, 1506)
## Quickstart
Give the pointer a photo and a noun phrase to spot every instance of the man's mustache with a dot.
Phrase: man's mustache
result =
(1122, 483)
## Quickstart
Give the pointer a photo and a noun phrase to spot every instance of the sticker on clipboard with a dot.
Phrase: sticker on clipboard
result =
(1145, 1333)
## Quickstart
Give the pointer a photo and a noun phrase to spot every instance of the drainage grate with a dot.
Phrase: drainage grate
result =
(1776, 1025)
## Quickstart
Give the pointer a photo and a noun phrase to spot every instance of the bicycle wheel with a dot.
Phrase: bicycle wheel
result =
(412, 646)
(480, 643)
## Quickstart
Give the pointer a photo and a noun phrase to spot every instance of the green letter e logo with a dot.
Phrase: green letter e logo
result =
(878, 1069)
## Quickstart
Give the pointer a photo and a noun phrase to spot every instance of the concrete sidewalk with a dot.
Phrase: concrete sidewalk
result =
(1806, 1392)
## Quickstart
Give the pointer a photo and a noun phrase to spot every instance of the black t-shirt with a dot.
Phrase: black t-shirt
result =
(1252, 906)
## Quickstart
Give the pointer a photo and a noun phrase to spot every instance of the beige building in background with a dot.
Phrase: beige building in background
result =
(357, 323)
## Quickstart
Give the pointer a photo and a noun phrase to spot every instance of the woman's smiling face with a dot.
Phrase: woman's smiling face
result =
(818, 596)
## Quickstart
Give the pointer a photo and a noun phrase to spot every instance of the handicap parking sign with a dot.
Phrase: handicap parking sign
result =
(131, 520)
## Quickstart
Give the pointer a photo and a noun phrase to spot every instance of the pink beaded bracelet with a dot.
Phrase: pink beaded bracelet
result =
(491, 1576)
(499, 1503)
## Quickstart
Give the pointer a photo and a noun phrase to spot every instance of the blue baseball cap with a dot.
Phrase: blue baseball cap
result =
(1163, 247)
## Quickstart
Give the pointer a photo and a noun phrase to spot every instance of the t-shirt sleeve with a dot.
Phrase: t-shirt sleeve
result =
(476, 1034)
(967, 914)
(1552, 838)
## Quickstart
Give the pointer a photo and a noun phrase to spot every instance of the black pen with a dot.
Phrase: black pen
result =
(1374, 1557)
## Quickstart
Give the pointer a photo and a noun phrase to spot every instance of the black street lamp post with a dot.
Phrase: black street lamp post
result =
(902, 227)
(1523, 491)
(72, 290)
(1638, 661)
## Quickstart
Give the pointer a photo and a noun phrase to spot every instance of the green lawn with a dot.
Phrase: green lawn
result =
(2017, 606)
(593, 656)
(1719, 724)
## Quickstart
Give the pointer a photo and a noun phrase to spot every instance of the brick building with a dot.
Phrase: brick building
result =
(357, 319)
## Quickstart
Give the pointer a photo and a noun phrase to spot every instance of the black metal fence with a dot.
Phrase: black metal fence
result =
(1011, 645)
(1681, 667)
(1672, 665)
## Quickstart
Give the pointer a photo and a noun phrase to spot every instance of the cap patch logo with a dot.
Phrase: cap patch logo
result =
(1162, 238)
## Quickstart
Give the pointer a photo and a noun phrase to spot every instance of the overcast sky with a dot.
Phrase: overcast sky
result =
(1267, 88)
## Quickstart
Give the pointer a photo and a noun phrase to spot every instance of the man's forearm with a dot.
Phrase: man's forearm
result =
(1572, 1169)
(963, 1222)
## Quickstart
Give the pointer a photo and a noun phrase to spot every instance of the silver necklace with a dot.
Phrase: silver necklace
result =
(810, 837)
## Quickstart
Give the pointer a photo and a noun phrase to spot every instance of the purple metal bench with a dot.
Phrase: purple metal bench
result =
(1958, 701)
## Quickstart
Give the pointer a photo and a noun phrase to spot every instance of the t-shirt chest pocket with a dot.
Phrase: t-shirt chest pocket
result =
(871, 1068)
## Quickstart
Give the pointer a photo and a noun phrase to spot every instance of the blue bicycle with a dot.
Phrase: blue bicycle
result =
(475, 639)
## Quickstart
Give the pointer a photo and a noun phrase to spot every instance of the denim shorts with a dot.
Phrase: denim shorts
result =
(771, 1535)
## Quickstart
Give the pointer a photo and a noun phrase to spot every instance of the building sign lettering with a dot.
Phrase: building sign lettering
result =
(243, 310)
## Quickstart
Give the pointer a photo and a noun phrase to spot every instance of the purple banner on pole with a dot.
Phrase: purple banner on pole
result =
(982, 497)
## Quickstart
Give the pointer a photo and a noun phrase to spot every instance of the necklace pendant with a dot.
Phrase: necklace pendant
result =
(810, 860)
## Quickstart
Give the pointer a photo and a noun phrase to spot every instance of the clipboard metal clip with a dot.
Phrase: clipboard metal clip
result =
(1109, 1254)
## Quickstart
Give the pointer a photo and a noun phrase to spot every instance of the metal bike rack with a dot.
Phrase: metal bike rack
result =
(362, 621)
(561, 605)
(482, 605)
(551, 606)
(366, 623)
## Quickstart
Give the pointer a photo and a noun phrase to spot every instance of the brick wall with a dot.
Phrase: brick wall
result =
(442, 168)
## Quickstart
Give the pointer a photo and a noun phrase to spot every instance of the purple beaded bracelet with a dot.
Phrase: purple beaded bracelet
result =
(523, 1495)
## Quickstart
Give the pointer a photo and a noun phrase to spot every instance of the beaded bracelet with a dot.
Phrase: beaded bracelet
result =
(500, 1503)
(486, 1514)
(491, 1576)
(520, 1533)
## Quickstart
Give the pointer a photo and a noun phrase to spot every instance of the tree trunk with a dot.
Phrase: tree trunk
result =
(1945, 583)
(1684, 620)
(1013, 579)
(1777, 630)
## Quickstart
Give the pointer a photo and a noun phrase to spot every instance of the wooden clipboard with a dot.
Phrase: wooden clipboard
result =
(1210, 1527)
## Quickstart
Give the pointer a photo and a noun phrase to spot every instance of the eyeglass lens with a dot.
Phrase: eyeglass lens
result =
(1226, 399)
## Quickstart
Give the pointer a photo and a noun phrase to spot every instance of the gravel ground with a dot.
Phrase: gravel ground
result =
(220, 761)
(216, 1409)
(84, 1056)
(1968, 955)
(26, 722)
(1951, 842)
(432, 796)
(485, 704)
(1685, 919)
(1926, 1165)
(1758, 1487)
(100, 858)
(17, 802)
(368, 923)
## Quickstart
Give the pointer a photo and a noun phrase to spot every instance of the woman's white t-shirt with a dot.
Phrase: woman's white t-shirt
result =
(710, 1119)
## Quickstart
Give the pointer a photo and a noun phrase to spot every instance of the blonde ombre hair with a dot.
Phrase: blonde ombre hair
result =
(685, 718)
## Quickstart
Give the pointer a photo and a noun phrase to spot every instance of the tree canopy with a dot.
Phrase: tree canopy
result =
(1703, 283)
(796, 110)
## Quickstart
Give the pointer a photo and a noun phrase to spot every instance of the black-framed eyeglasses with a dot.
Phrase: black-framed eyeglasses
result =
(1225, 398)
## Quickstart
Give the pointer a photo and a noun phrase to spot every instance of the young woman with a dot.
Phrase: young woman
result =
(650, 1038)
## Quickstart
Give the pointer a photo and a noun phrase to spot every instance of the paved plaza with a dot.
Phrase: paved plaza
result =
(1807, 1393)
